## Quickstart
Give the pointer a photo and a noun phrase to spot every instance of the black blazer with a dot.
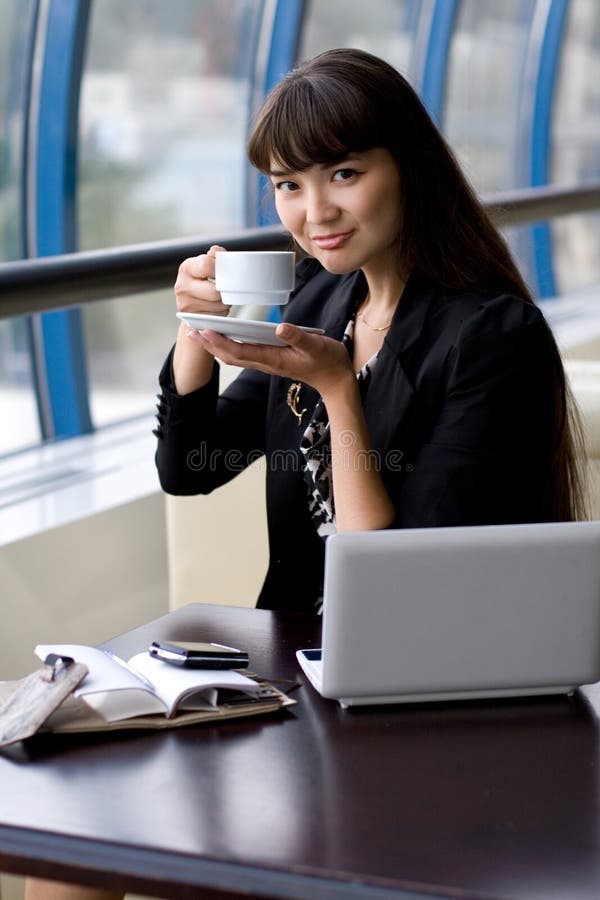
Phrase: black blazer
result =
(460, 413)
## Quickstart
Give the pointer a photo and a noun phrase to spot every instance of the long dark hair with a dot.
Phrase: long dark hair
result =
(344, 101)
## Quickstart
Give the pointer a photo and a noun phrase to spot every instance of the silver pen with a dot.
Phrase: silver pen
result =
(130, 669)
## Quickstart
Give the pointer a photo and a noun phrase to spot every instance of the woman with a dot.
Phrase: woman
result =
(458, 414)
(437, 396)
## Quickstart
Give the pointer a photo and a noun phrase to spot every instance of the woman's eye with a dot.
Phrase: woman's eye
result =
(343, 174)
(286, 186)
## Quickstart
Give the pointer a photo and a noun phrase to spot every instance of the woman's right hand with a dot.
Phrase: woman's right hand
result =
(195, 290)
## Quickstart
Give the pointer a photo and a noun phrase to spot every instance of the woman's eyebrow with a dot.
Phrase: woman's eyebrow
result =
(347, 157)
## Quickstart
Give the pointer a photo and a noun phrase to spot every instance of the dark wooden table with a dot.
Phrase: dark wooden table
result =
(479, 800)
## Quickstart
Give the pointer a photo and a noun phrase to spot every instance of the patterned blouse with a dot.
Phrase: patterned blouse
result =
(316, 449)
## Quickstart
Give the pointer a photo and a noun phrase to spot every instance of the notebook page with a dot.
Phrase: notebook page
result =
(173, 682)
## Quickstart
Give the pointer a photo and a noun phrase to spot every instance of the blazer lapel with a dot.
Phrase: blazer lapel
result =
(344, 300)
(388, 399)
(340, 306)
(391, 389)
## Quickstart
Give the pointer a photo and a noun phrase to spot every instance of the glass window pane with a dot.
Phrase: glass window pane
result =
(163, 117)
(163, 121)
(20, 426)
(484, 84)
(126, 340)
(387, 28)
(16, 21)
(482, 103)
(575, 143)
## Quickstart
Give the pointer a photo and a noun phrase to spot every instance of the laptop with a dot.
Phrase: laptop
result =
(458, 613)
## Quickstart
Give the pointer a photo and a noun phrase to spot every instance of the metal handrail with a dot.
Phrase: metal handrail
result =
(72, 279)
(54, 282)
(527, 205)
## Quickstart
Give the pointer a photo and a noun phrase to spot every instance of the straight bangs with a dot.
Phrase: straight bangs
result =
(304, 123)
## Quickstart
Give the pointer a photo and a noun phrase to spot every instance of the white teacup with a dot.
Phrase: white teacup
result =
(255, 277)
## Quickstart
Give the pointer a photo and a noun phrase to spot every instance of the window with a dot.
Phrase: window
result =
(387, 29)
(163, 119)
(575, 155)
(20, 426)
(484, 96)
(483, 90)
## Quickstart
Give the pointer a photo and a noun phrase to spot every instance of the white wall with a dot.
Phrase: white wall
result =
(217, 545)
(84, 581)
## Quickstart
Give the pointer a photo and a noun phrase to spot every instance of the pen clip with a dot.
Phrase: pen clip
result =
(54, 664)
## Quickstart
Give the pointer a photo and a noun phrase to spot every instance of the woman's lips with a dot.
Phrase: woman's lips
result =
(331, 241)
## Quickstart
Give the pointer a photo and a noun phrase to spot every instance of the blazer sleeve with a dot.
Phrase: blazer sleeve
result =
(205, 440)
(486, 458)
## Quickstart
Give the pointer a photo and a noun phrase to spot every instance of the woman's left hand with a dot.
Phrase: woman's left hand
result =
(316, 360)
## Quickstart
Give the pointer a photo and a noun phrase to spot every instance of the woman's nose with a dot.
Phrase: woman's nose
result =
(320, 208)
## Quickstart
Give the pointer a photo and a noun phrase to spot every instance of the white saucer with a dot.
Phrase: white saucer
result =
(244, 331)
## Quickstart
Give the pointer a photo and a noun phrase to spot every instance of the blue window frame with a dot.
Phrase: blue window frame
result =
(433, 72)
(50, 194)
(541, 137)
(61, 371)
(282, 56)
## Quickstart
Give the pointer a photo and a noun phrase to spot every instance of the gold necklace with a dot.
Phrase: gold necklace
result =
(372, 327)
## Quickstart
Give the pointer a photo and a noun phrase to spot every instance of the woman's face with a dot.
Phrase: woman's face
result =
(347, 215)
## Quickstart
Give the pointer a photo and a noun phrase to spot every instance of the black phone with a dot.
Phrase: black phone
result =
(198, 655)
